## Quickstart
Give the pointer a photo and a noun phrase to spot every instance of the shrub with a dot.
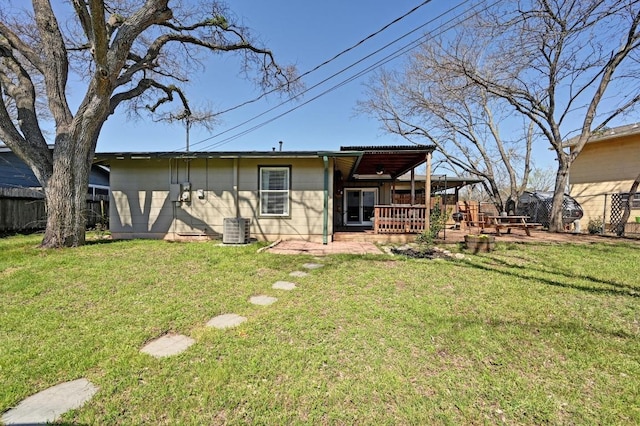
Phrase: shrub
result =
(595, 226)
(437, 222)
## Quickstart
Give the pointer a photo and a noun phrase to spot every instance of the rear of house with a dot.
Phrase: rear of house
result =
(187, 196)
(271, 195)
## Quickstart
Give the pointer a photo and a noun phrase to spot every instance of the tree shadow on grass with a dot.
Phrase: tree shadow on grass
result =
(504, 267)
(536, 327)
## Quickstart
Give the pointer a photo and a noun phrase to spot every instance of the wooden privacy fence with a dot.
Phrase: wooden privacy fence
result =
(23, 209)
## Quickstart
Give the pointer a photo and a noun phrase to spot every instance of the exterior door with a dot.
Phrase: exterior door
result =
(360, 205)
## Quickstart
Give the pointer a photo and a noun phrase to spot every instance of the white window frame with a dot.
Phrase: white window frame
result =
(264, 193)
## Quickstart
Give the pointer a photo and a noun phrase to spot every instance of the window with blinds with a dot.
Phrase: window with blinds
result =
(274, 191)
(635, 201)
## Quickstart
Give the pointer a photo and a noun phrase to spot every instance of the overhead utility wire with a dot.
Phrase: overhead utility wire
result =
(323, 81)
(388, 58)
(383, 61)
(328, 61)
(385, 27)
(329, 78)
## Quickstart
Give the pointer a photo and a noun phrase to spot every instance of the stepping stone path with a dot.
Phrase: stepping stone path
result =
(263, 300)
(283, 285)
(167, 345)
(47, 406)
(312, 265)
(226, 321)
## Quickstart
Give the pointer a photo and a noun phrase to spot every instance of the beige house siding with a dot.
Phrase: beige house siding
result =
(604, 167)
(142, 207)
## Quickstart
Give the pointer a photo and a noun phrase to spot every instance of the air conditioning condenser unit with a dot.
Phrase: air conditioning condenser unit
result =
(235, 230)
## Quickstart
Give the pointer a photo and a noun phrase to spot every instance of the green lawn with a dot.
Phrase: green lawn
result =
(529, 334)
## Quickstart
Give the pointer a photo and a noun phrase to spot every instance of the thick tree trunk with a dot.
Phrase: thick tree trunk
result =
(66, 196)
(627, 207)
(556, 223)
(66, 190)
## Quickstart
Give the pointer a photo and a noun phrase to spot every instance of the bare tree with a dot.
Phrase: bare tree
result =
(542, 179)
(569, 66)
(131, 52)
(425, 103)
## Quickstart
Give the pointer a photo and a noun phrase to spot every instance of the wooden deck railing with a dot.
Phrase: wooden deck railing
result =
(399, 219)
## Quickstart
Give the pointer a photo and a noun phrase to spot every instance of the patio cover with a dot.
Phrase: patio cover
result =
(381, 162)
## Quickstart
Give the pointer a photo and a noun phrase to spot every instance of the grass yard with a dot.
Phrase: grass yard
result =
(529, 334)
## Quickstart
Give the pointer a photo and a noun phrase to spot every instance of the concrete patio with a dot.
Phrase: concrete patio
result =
(365, 243)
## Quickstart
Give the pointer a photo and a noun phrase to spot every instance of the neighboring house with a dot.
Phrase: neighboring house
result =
(275, 195)
(601, 176)
(21, 199)
(14, 173)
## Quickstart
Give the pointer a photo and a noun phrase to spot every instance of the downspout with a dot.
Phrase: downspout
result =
(236, 171)
(174, 204)
(325, 218)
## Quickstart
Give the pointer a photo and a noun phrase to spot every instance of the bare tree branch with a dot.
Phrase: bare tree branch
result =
(546, 59)
(429, 101)
(56, 65)
(102, 42)
(17, 44)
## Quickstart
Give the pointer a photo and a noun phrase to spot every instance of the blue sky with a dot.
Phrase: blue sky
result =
(305, 34)
(301, 33)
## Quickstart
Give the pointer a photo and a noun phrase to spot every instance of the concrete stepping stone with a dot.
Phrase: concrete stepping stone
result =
(312, 265)
(262, 300)
(47, 406)
(226, 321)
(283, 285)
(299, 274)
(168, 345)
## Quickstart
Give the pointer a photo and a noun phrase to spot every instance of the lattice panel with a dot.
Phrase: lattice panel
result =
(617, 208)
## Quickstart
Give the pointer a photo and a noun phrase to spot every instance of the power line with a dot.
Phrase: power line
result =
(326, 79)
(370, 68)
(328, 61)
(397, 53)
(370, 36)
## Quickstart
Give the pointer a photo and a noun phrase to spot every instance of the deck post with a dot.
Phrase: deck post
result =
(325, 217)
(413, 186)
(427, 194)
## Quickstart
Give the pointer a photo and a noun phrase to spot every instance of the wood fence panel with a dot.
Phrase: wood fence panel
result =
(24, 210)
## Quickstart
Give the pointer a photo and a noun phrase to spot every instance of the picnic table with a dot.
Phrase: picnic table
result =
(510, 222)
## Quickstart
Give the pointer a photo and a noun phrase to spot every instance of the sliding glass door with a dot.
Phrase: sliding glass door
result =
(360, 205)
